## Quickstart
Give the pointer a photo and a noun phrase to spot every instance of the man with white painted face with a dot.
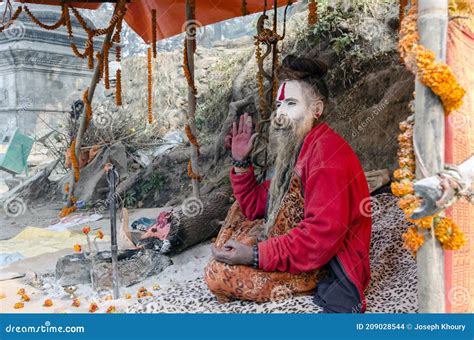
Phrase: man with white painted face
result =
(308, 227)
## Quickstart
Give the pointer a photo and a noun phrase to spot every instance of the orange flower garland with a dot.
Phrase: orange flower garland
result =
(186, 70)
(118, 88)
(77, 248)
(445, 230)
(191, 173)
(312, 12)
(258, 55)
(150, 86)
(153, 31)
(449, 234)
(18, 305)
(48, 303)
(413, 240)
(401, 13)
(85, 99)
(421, 61)
(54, 26)
(106, 65)
(244, 8)
(192, 139)
(74, 162)
(12, 19)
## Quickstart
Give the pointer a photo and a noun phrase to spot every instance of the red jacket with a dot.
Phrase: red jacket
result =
(336, 220)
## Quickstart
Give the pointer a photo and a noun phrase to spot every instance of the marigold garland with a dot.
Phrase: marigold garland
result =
(261, 91)
(401, 11)
(74, 162)
(88, 107)
(446, 231)
(153, 31)
(118, 54)
(421, 61)
(191, 173)
(18, 305)
(449, 234)
(12, 19)
(52, 27)
(413, 240)
(150, 86)
(118, 88)
(312, 12)
(192, 139)
(101, 65)
(107, 46)
(186, 70)
(65, 211)
(244, 8)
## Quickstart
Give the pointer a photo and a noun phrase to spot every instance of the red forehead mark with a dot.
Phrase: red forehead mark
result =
(282, 93)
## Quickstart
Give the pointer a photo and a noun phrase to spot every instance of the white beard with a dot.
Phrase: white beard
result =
(285, 141)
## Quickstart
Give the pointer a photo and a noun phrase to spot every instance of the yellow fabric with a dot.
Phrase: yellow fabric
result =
(33, 241)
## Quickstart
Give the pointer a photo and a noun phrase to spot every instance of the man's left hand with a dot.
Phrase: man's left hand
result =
(233, 252)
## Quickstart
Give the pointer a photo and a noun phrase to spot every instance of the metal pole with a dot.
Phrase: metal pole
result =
(112, 178)
(429, 149)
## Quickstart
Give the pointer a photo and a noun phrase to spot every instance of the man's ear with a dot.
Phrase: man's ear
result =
(317, 108)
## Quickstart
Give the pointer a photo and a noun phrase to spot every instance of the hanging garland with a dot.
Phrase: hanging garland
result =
(244, 8)
(150, 86)
(445, 230)
(12, 19)
(88, 107)
(421, 61)
(187, 73)
(54, 26)
(401, 10)
(193, 140)
(312, 12)
(153, 31)
(100, 59)
(107, 46)
(74, 162)
(118, 88)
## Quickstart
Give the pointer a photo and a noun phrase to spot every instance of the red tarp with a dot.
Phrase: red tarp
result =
(171, 13)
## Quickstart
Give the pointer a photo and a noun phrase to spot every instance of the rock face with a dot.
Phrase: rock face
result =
(134, 266)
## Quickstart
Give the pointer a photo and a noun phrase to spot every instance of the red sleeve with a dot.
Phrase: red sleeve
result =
(319, 236)
(252, 197)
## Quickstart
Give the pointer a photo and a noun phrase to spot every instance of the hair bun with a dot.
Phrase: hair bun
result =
(303, 67)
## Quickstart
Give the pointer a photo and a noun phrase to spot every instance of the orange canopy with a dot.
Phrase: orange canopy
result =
(171, 13)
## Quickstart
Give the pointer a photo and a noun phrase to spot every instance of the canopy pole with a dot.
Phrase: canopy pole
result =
(82, 127)
(429, 148)
(190, 41)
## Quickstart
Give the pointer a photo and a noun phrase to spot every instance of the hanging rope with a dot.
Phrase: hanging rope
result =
(153, 31)
(150, 86)
(88, 107)
(244, 8)
(12, 19)
(118, 88)
(312, 12)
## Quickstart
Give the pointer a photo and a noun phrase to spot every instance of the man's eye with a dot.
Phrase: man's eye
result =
(278, 104)
(291, 103)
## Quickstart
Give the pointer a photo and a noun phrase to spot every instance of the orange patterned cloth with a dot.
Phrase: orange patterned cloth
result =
(459, 264)
(247, 283)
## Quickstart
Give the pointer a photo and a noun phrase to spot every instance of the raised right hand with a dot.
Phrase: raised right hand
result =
(242, 138)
